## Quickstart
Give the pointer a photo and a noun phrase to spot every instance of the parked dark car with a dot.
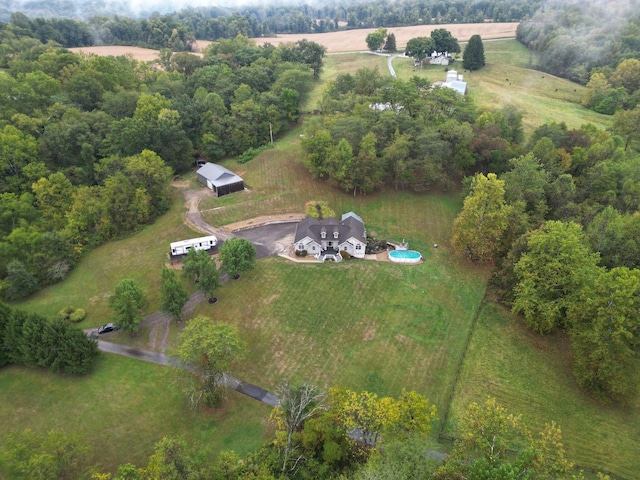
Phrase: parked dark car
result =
(109, 327)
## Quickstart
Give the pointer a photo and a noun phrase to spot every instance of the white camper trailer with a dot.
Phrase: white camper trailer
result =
(183, 246)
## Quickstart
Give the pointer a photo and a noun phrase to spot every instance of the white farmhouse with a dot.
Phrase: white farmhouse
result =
(325, 238)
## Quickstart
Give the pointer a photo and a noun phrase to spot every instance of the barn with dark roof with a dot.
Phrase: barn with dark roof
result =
(219, 179)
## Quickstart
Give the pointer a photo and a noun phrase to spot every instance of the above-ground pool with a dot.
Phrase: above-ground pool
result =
(405, 256)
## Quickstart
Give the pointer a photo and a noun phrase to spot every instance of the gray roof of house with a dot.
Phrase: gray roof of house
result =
(351, 225)
(457, 85)
(218, 175)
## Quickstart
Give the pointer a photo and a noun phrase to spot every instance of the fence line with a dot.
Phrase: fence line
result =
(472, 327)
(442, 437)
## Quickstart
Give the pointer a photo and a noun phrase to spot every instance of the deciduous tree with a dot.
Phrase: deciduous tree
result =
(488, 432)
(605, 334)
(208, 350)
(558, 263)
(420, 47)
(375, 40)
(174, 296)
(484, 216)
(371, 418)
(19, 282)
(237, 255)
(297, 404)
(127, 303)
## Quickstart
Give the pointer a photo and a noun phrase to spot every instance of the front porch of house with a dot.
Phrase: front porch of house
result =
(329, 253)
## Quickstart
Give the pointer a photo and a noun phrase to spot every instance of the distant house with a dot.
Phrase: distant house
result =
(381, 107)
(325, 238)
(219, 179)
(439, 58)
(454, 82)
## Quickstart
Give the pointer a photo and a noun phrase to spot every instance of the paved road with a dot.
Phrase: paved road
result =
(234, 383)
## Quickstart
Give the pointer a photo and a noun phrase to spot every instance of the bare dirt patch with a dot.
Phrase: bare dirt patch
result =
(265, 219)
(369, 334)
(138, 53)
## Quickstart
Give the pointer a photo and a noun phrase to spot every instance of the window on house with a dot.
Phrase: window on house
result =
(300, 246)
(313, 248)
(358, 247)
(335, 234)
(323, 234)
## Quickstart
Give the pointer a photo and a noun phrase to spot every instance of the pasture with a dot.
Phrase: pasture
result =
(122, 409)
(531, 374)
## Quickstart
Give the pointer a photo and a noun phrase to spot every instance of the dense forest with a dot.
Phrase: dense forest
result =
(88, 144)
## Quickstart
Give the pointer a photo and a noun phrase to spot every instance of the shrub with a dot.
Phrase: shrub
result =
(252, 153)
(78, 315)
(374, 245)
(65, 313)
(71, 314)
(318, 209)
(303, 253)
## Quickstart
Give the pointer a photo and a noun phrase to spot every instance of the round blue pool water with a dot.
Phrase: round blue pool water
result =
(405, 256)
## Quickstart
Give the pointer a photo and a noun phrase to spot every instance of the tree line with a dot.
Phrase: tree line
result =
(89, 145)
(592, 43)
(178, 30)
(35, 341)
(560, 225)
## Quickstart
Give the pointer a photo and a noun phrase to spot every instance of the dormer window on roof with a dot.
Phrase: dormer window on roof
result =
(323, 233)
(335, 234)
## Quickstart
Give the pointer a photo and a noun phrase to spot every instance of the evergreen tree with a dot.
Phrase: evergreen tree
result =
(390, 46)
(473, 56)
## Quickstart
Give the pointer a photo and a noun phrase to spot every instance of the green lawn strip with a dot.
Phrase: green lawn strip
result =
(122, 409)
(139, 257)
(531, 375)
(358, 324)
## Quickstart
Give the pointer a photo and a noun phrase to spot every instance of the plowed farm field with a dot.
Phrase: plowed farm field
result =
(343, 41)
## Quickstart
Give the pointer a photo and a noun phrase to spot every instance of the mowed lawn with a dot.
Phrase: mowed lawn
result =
(358, 324)
(122, 409)
(531, 374)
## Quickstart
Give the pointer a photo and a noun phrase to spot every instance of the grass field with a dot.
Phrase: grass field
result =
(122, 409)
(507, 80)
(531, 375)
(139, 257)
(363, 325)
